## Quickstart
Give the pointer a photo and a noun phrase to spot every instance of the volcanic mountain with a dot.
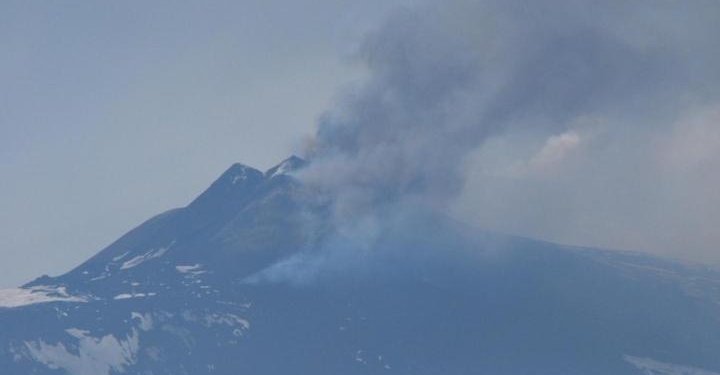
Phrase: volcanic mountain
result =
(257, 276)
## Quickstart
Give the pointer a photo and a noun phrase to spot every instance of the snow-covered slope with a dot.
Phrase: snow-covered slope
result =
(253, 277)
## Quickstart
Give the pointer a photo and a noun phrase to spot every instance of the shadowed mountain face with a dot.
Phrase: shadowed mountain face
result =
(256, 277)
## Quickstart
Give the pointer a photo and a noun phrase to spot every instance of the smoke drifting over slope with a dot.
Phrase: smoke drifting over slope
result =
(471, 103)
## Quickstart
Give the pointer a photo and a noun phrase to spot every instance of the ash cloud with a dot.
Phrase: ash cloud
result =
(497, 111)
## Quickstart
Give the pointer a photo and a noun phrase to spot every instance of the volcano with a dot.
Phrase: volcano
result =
(256, 276)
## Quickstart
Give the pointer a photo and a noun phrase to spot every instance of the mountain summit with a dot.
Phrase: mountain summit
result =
(291, 164)
(256, 277)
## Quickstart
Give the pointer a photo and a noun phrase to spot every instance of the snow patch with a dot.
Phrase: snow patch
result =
(226, 319)
(359, 357)
(288, 166)
(94, 356)
(238, 324)
(650, 366)
(119, 257)
(77, 333)
(151, 254)
(239, 177)
(195, 269)
(133, 295)
(282, 169)
(17, 297)
(146, 321)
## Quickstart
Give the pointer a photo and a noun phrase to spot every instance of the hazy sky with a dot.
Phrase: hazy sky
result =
(111, 112)
(583, 122)
(577, 121)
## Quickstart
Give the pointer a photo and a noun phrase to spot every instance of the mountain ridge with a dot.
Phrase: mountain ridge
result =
(256, 276)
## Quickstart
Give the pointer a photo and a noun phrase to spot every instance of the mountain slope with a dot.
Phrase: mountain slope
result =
(255, 277)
